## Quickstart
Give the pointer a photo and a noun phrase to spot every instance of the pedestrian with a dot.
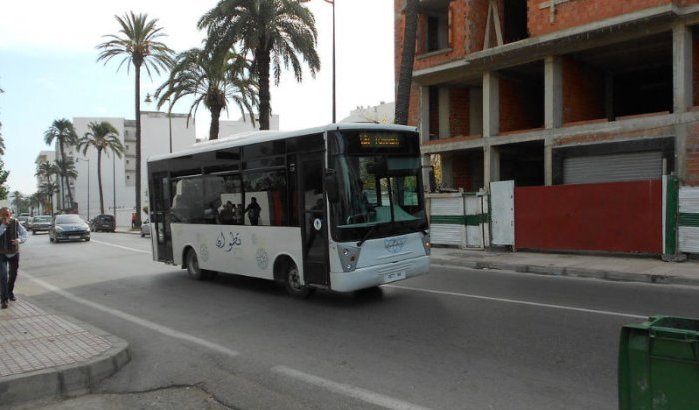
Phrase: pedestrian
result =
(253, 210)
(12, 233)
(134, 219)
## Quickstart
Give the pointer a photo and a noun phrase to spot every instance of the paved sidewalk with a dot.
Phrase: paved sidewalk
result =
(618, 268)
(44, 355)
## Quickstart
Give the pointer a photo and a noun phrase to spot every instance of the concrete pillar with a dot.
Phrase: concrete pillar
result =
(548, 161)
(682, 67)
(491, 165)
(444, 128)
(448, 169)
(424, 113)
(491, 104)
(553, 92)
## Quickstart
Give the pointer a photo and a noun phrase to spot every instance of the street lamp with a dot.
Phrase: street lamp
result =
(333, 4)
(169, 117)
(88, 184)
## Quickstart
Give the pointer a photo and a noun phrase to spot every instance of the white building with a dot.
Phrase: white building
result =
(159, 134)
(384, 113)
(244, 124)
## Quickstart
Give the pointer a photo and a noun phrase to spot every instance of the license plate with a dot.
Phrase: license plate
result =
(74, 237)
(393, 276)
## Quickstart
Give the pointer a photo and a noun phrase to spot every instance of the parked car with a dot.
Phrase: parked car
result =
(40, 223)
(145, 228)
(23, 219)
(68, 227)
(103, 222)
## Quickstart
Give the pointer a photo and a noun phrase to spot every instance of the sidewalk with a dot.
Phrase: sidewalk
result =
(617, 268)
(45, 355)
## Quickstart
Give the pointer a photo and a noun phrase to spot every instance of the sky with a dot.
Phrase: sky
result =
(48, 68)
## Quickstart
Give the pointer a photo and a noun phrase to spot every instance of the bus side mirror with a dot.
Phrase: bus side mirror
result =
(331, 185)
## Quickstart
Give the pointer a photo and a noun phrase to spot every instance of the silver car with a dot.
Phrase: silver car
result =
(40, 223)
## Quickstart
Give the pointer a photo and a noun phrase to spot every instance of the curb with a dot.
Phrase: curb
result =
(572, 272)
(68, 380)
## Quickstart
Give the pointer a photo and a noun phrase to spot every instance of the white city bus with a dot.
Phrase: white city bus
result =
(339, 207)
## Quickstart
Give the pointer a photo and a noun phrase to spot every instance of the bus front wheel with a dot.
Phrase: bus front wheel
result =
(293, 284)
(193, 269)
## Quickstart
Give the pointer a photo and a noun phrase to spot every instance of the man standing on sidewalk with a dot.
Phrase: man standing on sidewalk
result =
(12, 233)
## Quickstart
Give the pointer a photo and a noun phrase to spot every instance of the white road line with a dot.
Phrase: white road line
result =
(520, 302)
(347, 390)
(120, 247)
(134, 319)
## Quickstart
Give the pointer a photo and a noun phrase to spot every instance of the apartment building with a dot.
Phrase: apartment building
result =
(556, 92)
(160, 134)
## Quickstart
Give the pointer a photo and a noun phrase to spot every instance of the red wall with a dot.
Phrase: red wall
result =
(612, 217)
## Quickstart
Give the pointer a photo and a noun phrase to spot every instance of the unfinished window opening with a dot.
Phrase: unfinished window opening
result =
(437, 20)
(523, 163)
(515, 16)
(522, 97)
(635, 77)
(643, 91)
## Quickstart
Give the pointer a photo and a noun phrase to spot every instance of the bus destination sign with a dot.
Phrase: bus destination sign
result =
(382, 140)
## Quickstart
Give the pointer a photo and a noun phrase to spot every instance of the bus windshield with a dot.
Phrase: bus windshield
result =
(378, 194)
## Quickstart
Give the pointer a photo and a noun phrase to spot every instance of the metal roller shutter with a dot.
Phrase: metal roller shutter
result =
(613, 168)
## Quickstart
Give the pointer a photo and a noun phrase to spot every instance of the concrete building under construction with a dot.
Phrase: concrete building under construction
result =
(558, 92)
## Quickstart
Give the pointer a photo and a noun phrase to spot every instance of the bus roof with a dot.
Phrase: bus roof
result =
(252, 137)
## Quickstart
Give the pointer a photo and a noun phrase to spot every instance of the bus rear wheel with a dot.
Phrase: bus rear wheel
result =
(292, 282)
(193, 269)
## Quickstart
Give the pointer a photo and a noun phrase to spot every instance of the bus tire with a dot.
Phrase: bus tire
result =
(292, 282)
(193, 269)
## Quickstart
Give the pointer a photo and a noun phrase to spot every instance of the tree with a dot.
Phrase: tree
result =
(63, 132)
(212, 79)
(35, 203)
(2, 141)
(3, 180)
(66, 171)
(405, 75)
(18, 201)
(138, 44)
(103, 137)
(45, 170)
(49, 189)
(273, 31)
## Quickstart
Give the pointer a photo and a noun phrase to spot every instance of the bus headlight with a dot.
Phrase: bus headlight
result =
(427, 244)
(348, 256)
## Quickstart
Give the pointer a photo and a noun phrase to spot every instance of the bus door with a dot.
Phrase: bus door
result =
(160, 217)
(313, 219)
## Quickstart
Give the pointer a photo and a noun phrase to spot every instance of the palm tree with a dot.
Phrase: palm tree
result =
(273, 31)
(212, 79)
(49, 189)
(45, 170)
(405, 75)
(103, 137)
(35, 203)
(64, 133)
(67, 172)
(2, 141)
(138, 44)
(18, 201)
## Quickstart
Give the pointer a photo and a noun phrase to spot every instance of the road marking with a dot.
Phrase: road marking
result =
(120, 247)
(348, 390)
(520, 302)
(134, 319)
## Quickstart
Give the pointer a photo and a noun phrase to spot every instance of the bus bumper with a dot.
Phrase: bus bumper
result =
(379, 275)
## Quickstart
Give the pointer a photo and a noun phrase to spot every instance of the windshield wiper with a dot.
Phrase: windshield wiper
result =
(367, 235)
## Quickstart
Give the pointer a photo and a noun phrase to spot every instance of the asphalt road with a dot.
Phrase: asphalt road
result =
(455, 339)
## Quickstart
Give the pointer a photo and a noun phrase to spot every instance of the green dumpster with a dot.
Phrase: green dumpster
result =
(659, 364)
